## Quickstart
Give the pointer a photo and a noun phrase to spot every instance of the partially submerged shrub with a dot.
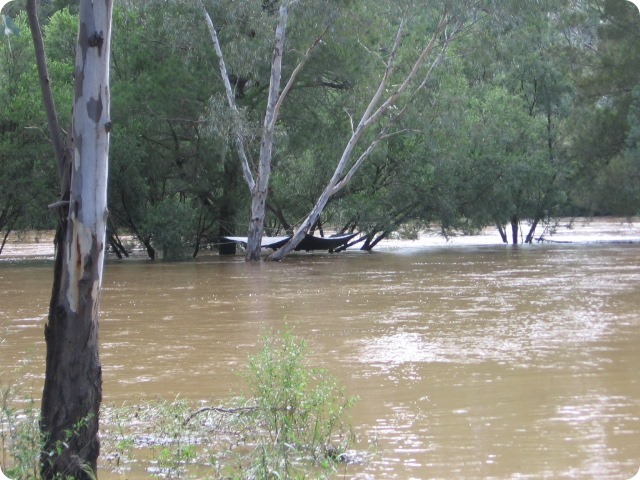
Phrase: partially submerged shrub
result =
(300, 415)
(293, 425)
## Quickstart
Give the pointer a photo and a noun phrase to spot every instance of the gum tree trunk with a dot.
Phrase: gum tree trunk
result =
(259, 184)
(73, 381)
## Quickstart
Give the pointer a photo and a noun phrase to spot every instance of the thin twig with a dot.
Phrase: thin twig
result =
(226, 411)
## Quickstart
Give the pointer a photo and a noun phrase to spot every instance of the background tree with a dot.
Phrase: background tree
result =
(26, 174)
(520, 101)
(380, 105)
(258, 180)
(603, 142)
(166, 175)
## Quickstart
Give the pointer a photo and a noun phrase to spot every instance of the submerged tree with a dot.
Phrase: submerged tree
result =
(258, 182)
(398, 81)
(383, 110)
(73, 380)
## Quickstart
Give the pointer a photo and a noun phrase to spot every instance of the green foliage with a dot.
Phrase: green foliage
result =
(61, 446)
(293, 425)
(27, 172)
(20, 441)
(61, 32)
(604, 133)
(161, 84)
(168, 224)
(300, 412)
(530, 114)
(176, 440)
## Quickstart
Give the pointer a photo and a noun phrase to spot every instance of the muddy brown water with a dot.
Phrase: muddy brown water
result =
(470, 361)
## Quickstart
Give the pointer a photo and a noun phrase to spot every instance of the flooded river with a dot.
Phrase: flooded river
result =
(470, 361)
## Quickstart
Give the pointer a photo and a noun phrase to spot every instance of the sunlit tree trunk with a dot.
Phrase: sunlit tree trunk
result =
(73, 380)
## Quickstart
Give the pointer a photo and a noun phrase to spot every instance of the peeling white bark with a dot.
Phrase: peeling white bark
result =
(259, 184)
(91, 125)
(231, 100)
(73, 382)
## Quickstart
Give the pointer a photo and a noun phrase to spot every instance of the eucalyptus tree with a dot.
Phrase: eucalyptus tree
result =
(73, 379)
(384, 107)
(488, 145)
(258, 181)
(403, 73)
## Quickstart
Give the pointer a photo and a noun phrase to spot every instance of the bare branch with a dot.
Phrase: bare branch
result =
(350, 119)
(385, 77)
(371, 115)
(275, 100)
(55, 131)
(242, 150)
(382, 136)
(220, 410)
(440, 55)
(373, 53)
(297, 70)
(392, 99)
(58, 204)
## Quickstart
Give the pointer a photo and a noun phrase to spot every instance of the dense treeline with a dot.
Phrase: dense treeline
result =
(532, 112)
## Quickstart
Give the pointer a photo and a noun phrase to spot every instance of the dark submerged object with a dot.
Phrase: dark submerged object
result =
(308, 243)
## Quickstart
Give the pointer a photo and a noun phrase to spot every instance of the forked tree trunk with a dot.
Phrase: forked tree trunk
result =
(259, 186)
(73, 382)
(379, 105)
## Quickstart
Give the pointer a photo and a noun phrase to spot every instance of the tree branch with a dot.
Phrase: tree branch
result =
(371, 115)
(382, 136)
(297, 70)
(53, 123)
(242, 150)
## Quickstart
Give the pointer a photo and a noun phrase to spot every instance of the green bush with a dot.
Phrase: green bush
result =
(169, 224)
(301, 412)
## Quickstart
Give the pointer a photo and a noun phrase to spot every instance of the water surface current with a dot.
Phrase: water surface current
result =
(470, 361)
